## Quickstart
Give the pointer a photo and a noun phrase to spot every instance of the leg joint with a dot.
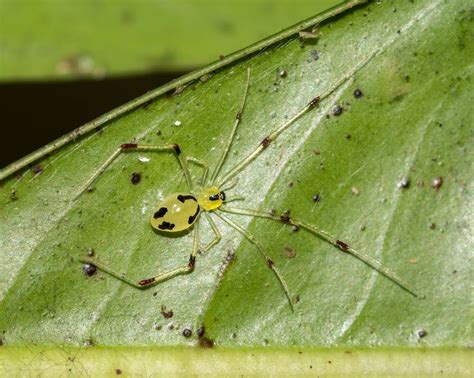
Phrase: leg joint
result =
(128, 146)
(192, 261)
(176, 149)
(343, 246)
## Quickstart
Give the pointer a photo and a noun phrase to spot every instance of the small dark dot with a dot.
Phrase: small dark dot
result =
(337, 110)
(316, 198)
(403, 183)
(118, 371)
(422, 333)
(201, 330)
(166, 313)
(314, 54)
(431, 226)
(295, 228)
(290, 184)
(358, 93)
(347, 136)
(437, 183)
(187, 332)
(89, 269)
(37, 169)
(289, 252)
(136, 178)
(206, 342)
(282, 73)
(90, 252)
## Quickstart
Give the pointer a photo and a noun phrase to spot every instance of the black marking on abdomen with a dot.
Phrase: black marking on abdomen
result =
(193, 217)
(160, 213)
(166, 226)
(182, 198)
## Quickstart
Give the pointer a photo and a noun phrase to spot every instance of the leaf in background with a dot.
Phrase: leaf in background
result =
(412, 63)
(96, 38)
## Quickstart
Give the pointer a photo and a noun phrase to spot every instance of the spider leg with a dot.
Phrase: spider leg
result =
(133, 147)
(147, 282)
(285, 218)
(217, 234)
(266, 142)
(232, 134)
(203, 164)
(259, 247)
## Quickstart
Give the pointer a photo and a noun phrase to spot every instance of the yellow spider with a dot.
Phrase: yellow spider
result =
(181, 211)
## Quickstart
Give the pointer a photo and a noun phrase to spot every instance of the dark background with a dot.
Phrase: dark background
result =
(37, 112)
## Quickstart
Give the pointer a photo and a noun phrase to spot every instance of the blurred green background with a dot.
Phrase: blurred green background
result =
(63, 63)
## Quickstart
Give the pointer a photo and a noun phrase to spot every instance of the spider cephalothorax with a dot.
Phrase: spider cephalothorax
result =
(179, 211)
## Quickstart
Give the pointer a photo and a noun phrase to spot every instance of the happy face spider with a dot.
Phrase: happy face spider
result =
(182, 211)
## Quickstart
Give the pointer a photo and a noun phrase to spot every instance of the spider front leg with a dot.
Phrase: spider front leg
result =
(215, 230)
(203, 164)
(147, 282)
(286, 219)
(126, 147)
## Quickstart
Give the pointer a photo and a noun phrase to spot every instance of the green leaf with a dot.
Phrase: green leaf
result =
(413, 64)
(102, 38)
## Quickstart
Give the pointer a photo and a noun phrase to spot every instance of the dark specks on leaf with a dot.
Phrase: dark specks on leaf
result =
(187, 332)
(289, 252)
(358, 93)
(89, 269)
(206, 342)
(201, 330)
(315, 54)
(422, 333)
(437, 183)
(37, 169)
(167, 314)
(135, 178)
(337, 110)
(404, 183)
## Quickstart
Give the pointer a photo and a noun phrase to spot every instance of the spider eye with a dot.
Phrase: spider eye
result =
(214, 197)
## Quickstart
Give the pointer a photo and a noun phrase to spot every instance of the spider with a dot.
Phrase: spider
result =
(182, 211)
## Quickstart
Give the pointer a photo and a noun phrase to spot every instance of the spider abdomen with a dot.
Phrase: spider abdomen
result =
(175, 213)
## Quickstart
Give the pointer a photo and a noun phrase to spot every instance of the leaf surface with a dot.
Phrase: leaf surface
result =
(412, 63)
